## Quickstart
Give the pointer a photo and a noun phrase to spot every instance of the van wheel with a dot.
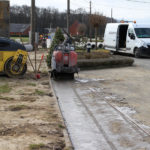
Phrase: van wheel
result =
(137, 53)
(100, 46)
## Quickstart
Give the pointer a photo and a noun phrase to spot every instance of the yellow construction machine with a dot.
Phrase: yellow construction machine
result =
(13, 58)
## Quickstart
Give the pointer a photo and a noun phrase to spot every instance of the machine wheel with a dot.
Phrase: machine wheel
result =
(54, 75)
(137, 53)
(72, 75)
(10, 73)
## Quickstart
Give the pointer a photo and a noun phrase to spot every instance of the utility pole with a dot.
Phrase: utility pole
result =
(111, 15)
(89, 21)
(68, 15)
(4, 18)
(33, 23)
(33, 31)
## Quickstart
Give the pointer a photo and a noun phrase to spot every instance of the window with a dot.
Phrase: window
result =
(142, 32)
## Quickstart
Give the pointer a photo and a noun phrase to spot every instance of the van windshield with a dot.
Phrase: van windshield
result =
(142, 32)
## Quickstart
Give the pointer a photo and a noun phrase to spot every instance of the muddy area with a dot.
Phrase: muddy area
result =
(29, 114)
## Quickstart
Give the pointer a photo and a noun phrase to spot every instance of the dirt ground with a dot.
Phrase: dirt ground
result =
(29, 115)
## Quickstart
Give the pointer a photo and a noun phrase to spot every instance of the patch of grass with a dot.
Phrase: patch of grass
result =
(36, 146)
(101, 50)
(24, 39)
(61, 126)
(5, 88)
(38, 92)
(31, 84)
(6, 98)
(18, 107)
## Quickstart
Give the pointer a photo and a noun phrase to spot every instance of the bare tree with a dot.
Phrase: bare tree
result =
(96, 20)
(82, 29)
(47, 17)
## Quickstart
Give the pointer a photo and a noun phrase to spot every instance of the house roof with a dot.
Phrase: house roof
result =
(18, 27)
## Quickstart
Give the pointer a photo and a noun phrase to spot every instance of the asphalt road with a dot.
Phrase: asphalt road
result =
(143, 62)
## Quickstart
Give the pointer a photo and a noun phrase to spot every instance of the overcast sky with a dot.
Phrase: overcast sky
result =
(138, 10)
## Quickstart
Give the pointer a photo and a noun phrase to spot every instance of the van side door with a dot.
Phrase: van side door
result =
(131, 39)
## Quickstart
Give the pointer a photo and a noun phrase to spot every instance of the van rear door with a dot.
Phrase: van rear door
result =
(110, 36)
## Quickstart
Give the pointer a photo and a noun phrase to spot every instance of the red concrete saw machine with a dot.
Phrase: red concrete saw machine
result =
(64, 61)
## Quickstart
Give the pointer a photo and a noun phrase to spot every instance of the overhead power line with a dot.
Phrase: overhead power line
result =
(121, 7)
(138, 1)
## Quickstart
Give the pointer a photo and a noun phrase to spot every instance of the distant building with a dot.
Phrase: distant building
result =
(19, 29)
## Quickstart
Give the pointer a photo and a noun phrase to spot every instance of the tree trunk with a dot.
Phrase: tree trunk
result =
(96, 30)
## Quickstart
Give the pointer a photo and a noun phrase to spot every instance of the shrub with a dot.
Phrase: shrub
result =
(58, 38)
(105, 63)
(93, 55)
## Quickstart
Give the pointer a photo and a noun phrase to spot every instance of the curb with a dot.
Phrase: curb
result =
(67, 138)
(65, 131)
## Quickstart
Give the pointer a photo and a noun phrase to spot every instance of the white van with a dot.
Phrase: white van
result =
(129, 38)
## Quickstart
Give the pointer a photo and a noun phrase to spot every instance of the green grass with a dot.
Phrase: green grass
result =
(6, 98)
(36, 146)
(61, 126)
(98, 40)
(5, 88)
(31, 84)
(24, 39)
(18, 107)
(38, 92)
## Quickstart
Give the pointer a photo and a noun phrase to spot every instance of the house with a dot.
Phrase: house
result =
(19, 29)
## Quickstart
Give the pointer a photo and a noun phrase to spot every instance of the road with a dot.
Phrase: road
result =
(143, 62)
(100, 108)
